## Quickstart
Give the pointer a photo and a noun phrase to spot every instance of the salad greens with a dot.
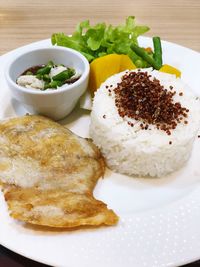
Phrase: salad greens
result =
(101, 39)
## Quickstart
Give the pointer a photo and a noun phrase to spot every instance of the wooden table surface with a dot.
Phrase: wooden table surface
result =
(25, 21)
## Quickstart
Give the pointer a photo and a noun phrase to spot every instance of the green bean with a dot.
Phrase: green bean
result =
(144, 55)
(46, 85)
(157, 50)
(64, 75)
(50, 64)
(46, 78)
(39, 76)
(139, 63)
(53, 84)
(28, 73)
(44, 70)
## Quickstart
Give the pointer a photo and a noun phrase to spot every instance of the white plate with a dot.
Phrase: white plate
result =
(159, 218)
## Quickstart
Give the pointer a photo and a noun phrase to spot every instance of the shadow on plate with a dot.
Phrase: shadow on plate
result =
(15, 109)
(47, 229)
(76, 113)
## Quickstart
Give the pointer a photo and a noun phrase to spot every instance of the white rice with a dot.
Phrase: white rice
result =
(133, 151)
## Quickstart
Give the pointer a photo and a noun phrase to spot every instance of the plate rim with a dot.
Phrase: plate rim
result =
(45, 41)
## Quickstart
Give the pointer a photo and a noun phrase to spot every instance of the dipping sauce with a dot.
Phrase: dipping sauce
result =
(48, 76)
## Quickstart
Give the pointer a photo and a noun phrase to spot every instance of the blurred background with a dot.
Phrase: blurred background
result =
(25, 21)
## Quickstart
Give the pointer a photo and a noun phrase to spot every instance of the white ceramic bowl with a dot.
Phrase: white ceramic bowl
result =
(57, 103)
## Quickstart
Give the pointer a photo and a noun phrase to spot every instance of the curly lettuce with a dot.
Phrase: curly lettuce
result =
(101, 39)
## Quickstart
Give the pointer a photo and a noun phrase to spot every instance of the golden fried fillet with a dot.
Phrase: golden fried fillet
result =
(48, 174)
(57, 207)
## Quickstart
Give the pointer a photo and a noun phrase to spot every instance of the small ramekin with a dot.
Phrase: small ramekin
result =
(55, 103)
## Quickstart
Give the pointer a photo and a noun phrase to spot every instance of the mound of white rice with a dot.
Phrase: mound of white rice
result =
(133, 151)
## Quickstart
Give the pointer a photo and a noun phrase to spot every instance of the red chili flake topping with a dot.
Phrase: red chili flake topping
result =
(140, 98)
(181, 93)
(170, 142)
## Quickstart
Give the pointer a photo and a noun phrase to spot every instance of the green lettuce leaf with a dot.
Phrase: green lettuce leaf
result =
(101, 39)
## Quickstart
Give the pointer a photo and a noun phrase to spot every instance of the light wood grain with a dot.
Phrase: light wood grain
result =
(25, 21)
